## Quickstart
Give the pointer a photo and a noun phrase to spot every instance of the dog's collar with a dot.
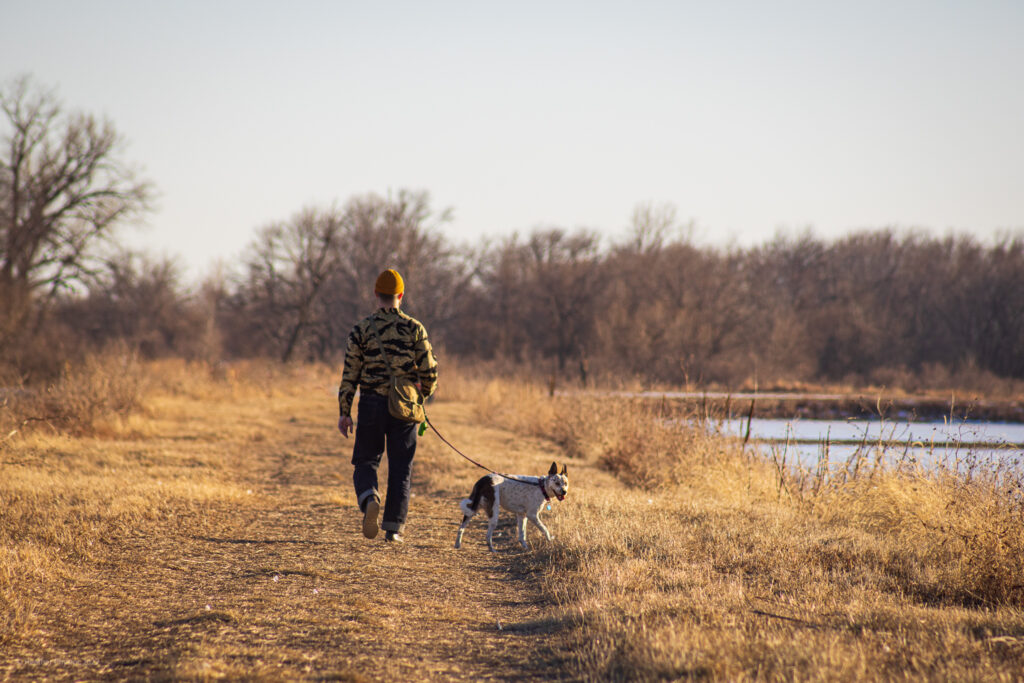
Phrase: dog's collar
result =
(545, 491)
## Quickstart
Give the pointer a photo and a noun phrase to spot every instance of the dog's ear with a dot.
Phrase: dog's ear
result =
(565, 470)
(554, 468)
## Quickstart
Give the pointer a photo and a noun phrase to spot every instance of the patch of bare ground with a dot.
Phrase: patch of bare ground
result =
(269, 577)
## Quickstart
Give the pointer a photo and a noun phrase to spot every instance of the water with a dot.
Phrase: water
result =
(953, 444)
(872, 430)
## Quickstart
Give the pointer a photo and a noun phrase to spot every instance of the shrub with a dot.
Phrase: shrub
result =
(111, 383)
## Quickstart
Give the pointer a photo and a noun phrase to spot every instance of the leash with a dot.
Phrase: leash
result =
(426, 419)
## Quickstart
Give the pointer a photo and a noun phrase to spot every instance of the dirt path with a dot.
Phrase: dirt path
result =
(285, 587)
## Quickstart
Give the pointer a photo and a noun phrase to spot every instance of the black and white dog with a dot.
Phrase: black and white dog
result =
(523, 495)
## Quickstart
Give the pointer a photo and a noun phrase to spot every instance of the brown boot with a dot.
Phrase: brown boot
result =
(370, 515)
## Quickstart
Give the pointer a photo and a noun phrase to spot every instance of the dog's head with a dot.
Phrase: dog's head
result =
(557, 483)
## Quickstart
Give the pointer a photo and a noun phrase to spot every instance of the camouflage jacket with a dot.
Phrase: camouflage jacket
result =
(408, 349)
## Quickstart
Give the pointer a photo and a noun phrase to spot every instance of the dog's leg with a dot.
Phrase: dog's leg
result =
(535, 518)
(462, 528)
(469, 506)
(493, 523)
(521, 527)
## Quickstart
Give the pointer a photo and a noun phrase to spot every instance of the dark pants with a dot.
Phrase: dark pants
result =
(375, 429)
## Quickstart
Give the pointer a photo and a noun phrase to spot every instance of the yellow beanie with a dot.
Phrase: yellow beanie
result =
(389, 283)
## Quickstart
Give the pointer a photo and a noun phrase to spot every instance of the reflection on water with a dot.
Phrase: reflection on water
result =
(956, 445)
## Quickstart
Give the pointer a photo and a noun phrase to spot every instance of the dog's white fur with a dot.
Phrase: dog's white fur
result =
(523, 496)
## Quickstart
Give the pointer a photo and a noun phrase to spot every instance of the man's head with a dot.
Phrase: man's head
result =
(389, 288)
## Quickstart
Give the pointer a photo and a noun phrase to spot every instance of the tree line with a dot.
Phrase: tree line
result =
(873, 306)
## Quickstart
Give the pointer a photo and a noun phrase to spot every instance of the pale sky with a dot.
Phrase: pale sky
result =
(747, 116)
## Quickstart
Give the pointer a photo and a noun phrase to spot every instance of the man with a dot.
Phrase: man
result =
(409, 353)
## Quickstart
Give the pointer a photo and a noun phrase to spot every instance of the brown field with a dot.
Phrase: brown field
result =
(202, 526)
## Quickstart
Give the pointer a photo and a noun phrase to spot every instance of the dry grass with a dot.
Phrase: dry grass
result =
(86, 475)
(212, 533)
(106, 385)
(209, 532)
(715, 564)
(87, 461)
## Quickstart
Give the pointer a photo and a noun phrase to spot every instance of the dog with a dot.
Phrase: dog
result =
(522, 495)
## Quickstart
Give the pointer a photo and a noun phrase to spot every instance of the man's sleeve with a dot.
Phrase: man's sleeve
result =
(350, 374)
(426, 364)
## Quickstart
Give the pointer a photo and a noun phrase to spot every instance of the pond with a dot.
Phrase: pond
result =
(957, 444)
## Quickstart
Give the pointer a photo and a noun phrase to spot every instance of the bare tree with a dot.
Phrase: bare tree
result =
(138, 300)
(497, 328)
(652, 224)
(63, 187)
(400, 231)
(288, 266)
(537, 298)
(565, 267)
(308, 280)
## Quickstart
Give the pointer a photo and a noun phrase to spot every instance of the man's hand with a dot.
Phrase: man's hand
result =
(345, 425)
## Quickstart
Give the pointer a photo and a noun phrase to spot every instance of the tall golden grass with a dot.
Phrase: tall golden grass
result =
(714, 562)
(107, 384)
(83, 462)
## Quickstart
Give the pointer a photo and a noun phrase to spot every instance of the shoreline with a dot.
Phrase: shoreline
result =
(824, 406)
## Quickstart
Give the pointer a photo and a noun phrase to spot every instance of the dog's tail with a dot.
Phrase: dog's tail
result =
(472, 504)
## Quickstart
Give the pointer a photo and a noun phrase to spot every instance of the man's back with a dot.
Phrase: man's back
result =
(408, 350)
